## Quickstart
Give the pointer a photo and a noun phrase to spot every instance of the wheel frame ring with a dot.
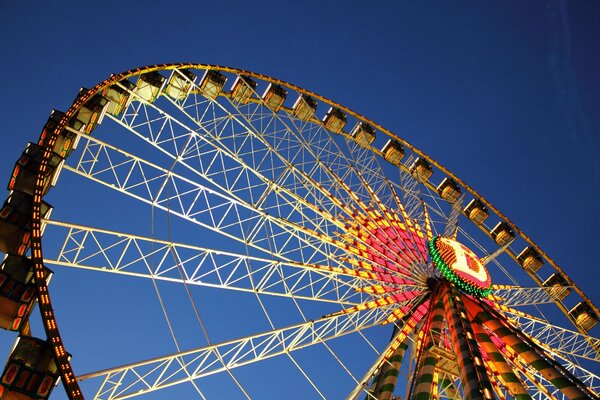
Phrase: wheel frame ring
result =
(46, 310)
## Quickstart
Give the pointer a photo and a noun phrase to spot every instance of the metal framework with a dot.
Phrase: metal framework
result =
(254, 192)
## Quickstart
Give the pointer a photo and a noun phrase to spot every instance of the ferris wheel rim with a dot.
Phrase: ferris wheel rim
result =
(37, 254)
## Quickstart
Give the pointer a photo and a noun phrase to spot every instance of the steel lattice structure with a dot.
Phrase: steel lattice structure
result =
(252, 189)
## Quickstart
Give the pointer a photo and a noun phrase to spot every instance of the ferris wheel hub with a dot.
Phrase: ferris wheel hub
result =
(460, 265)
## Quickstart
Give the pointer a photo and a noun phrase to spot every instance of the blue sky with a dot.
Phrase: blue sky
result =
(504, 94)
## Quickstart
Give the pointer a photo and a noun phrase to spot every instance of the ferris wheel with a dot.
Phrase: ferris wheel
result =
(218, 233)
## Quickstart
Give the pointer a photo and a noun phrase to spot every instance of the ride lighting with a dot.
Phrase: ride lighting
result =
(119, 96)
(27, 167)
(334, 120)
(212, 83)
(363, 134)
(149, 86)
(421, 170)
(274, 97)
(459, 265)
(180, 84)
(393, 152)
(242, 89)
(476, 211)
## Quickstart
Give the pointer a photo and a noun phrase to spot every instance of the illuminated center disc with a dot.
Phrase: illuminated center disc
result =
(460, 265)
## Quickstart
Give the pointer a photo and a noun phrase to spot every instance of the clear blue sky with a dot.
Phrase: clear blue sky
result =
(504, 94)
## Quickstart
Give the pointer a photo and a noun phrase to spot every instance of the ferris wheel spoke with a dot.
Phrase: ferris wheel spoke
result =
(451, 228)
(122, 253)
(217, 137)
(200, 205)
(514, 296)
(588, 378)
(318, 166)
(170, 192)
(151, 184)
(208, 157)
(557, 339)
(409, 188)
(369, 182)
(317, 154)
(304, 214)
(257, 166)
(531, 353)
(384, 190)
(366, 229)
(375, 215)
(538, 385)
(395, 348)
(151, 375)
(446, 215)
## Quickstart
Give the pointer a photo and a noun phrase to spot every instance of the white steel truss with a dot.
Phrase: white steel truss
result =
(519, 296)
(558, 340)
(258, 143)
(190, 200)
(147, 376)
(283, 189)
(122, 253)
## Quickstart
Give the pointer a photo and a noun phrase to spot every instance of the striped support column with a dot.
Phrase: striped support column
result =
(517, 363)
(564, 381)
(399, 342)
(506, 375)
(493, 375)
(426, 370)
(435, 394)
(389, 373)
(474, 380)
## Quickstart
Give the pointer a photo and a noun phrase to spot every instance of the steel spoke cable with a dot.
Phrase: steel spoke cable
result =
(404, 273)
(310, 381)
(226, 234)
(71, 255)
(332, 173)
(196, 222)
(270, 321)
(322, 342)
(194, 305)
(420, 273)
(167, 318)
(256, 134)
(353, 175)
(323, 329)
(359, 331)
